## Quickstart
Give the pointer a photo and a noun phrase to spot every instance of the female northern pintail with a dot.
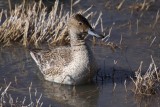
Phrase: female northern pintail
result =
(74, 64)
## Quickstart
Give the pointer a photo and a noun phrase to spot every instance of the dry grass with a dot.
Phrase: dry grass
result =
(120, 5)
(32, 24)
(141, 6)
(149, 83)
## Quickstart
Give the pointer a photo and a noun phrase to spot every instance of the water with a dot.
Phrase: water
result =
(17, 66)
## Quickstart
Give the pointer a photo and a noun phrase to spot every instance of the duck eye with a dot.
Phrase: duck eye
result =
(80, 23)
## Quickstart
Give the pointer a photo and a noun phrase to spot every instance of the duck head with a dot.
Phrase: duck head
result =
(79, 27)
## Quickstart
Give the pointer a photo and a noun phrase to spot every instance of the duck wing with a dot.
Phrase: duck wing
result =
(53, 60)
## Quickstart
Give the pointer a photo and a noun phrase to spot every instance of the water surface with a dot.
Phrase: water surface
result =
(17, 66)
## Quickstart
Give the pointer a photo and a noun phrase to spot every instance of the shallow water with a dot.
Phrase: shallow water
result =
(17, 66)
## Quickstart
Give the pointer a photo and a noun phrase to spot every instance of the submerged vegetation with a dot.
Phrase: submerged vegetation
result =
(7, 100)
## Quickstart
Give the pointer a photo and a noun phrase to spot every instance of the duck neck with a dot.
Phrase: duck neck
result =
(76, 39)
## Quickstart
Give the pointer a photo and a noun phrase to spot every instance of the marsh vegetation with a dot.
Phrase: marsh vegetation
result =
(131, 30)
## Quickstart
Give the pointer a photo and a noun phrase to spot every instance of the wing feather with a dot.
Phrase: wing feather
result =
(52, 61)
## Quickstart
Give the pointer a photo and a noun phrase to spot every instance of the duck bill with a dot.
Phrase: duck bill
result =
(93, 33)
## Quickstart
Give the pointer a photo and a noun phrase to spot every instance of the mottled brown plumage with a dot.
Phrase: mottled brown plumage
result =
(74, 64)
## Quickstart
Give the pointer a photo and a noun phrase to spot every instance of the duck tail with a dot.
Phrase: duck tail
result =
(35, 57)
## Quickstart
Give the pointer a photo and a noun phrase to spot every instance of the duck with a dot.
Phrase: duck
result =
(74, 64)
